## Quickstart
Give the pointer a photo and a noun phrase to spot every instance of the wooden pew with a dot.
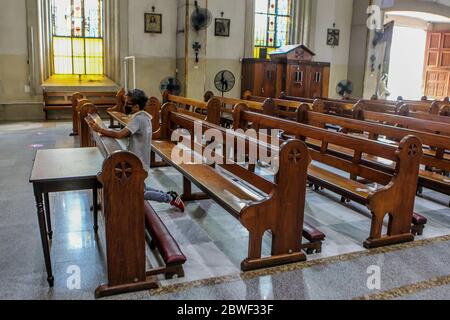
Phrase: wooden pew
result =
(437, 112)
(106, 100)
(267, 106)
(276, 206)
(76, 122)
(153, 108)
(361, 112)
(425, 105)
(434, 157)
(59, 101)
(396, 193)
(347, 110)
(127, 217)
(210, 111)
(298, 99)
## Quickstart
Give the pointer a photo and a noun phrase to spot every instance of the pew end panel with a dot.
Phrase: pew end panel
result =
(127, 216)
(122, 178)
(282, 214)
(208, 96)
(76, 97)
(84, 130)
(154, 109)
(445, 111)
(397, 198)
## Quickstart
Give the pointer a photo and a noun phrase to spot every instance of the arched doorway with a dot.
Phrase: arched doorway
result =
(408, 72)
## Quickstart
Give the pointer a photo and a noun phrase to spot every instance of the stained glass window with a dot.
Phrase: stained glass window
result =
(272, 24)
(77, 36)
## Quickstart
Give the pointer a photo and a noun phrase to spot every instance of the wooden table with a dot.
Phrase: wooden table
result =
(62, 170)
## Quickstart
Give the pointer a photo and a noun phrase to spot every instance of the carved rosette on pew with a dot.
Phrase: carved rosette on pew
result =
(122, 178)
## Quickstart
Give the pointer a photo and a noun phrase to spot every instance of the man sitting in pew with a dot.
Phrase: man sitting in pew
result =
(139, 133)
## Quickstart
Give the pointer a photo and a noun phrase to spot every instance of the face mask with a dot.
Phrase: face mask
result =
(128, 109)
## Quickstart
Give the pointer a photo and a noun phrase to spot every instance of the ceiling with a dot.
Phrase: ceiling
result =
(427, 17)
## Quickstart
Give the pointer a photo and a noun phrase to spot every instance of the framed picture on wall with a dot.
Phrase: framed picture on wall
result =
(222, 27)
(153, 23)
(333, 37)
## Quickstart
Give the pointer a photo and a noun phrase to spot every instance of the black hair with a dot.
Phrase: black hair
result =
(138, 97)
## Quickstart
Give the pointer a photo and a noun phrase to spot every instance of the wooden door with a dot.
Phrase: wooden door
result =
(315, 75)
(257, 88)
(437, 65)
(269, 80)
(296, 79)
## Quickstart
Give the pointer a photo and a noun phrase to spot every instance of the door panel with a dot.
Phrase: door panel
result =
(296, 81)
(433, 59)
(315, 82)
(434, 41)
(437, 65)
(270, 79)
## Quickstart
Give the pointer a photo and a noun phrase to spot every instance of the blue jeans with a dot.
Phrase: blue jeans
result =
(151, 194)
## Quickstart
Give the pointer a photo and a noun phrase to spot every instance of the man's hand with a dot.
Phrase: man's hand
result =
(93, 125)
(108, 133)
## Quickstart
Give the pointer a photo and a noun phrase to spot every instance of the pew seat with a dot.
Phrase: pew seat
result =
(221, 188)
(428, 179)
(360, 192)
(166, 244)
(225, 190)
(434, 181)
(350, 189)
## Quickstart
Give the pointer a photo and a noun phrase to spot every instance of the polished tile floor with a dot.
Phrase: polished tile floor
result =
(213, 241)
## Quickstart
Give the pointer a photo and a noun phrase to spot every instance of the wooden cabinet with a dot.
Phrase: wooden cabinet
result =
(437, 65)
(290, 70)
(261, 76)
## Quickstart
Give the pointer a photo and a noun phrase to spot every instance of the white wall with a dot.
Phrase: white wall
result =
(151, 44)
(217, 53)
(225, 53)
(13, 18)
(326, 13)
(155, 53)
(13, 50)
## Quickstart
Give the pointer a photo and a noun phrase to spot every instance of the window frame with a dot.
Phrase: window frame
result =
(73, 37)
(267, 16)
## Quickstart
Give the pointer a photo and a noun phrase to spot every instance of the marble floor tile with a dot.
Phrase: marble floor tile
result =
(205, 261)
(437, 293)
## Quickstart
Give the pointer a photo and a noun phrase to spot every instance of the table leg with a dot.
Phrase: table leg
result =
(95, 208)
(44, 239)
(48, 216)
